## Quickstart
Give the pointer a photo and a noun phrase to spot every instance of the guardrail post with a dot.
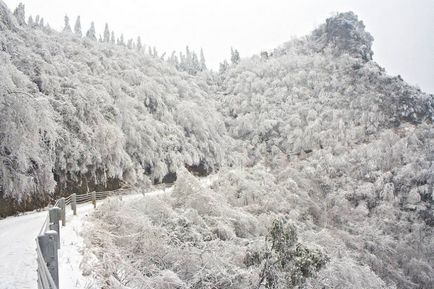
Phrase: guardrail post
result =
(54, 215)
(74, 204)
(47, 243)
(62, 211)
(93, 196)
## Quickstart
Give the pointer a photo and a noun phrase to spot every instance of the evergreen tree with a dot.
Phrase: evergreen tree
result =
(77, 27)
(223, 66)
(41, 22)
(106, 34)
(139, 43)
(235, 56)
(91, 32)
(195, 65)
(202, 61)
(173, 60)
(121, 40)
(30, 21)
(67, 27)
(130, 43)
(182, 65)
(19, 14)
(187, 59)
(100, 39)
(36, 24)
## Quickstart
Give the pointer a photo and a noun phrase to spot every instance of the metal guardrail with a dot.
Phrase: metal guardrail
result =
(48, 239)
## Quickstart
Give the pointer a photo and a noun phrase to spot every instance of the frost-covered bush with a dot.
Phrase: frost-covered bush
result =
(285, 263)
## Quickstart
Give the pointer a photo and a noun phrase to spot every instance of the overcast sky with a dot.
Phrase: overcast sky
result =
(403, 29)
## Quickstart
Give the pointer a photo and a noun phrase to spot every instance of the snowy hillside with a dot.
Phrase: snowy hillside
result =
(339, 154)
(323, 163)
(77, 112)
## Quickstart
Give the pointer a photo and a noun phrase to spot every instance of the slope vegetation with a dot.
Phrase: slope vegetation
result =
(76, 113)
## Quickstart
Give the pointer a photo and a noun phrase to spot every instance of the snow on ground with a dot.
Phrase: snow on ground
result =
(18, 248)
(69, 254)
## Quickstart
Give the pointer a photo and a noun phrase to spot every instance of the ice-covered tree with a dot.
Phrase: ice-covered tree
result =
(173, 60)
(223, 66)
(91, 34)
(195, 65)
(77, 27)
(202, 61)
(20, 15)
(121, 40)
(130, 44)
(67, 27)
(30, 21)
(235, 56)
(106, 34)
(139, 43)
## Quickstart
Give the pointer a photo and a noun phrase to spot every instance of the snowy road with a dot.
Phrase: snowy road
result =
(17, 250)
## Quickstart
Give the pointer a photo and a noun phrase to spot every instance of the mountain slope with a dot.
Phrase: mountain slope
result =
(352, 147)
(314, 136)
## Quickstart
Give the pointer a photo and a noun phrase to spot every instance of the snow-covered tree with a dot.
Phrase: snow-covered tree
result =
(120, 40)
(130, 44)
(67, 27)
(91, 34)
(139, 43)
(173, 60)
(235, 56)
(106, 34)
(30, 21)
(195, 65)
(223, 66)
(20, 15)
(202, 61)
(77, 27)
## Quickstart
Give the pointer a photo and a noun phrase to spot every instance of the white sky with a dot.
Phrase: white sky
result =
(403, 29)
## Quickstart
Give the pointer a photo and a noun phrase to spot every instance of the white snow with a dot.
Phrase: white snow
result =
(71, 247)
(71, 243)
(18, 248)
